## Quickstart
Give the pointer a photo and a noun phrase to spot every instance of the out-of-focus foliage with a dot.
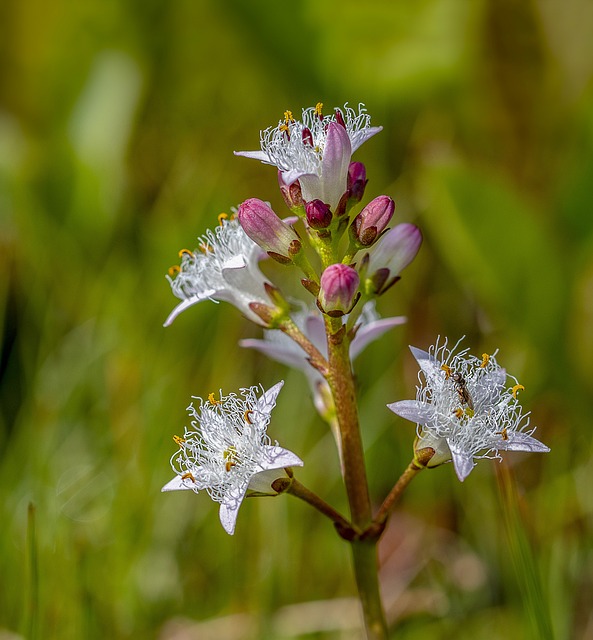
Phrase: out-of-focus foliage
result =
(117, 126)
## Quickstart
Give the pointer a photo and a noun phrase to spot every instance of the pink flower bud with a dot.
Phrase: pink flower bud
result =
(339, 286)
(372, 221)
(357, 181)
(319, 215)
(266, 229)
(394, 251)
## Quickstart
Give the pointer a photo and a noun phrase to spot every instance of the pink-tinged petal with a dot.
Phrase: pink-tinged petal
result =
(177, 484)
(261, 223)
(520, 441)
(182, 306)
(427, 362)
(278, 458)
(335, 163)
(267, 401)
(229, 509)
(462, 462)
(312, 187)
(277, 351)
(292, 175)
(396, 248)
(315, 331)
(236, 262)
(372, 332)
(256, 155)
(413, 410)
(363, 136)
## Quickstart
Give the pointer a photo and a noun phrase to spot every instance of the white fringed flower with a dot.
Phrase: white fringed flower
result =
(225, 267)
(227, 451)
(315, 150)
(464, 410)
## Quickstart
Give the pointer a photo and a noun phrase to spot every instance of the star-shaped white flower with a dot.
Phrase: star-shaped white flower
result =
(464, 410)
(316, 150)
(278, 346)
(227, 451)
(225, 267)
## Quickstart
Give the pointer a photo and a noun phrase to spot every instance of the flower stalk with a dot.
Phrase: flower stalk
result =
(344, 527)
(364, 552)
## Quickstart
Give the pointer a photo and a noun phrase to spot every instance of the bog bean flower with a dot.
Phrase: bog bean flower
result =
(224, 267)
(227, 451)
(315, 150)
(465, 410)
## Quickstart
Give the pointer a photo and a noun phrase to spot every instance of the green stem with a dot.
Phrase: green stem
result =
(341, 382)
(364, 553)
(395, 494)
(367, 581)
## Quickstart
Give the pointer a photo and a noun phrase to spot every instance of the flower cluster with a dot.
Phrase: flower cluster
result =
(224, 267)
(227, 451)
(348, 254)
(464, 409)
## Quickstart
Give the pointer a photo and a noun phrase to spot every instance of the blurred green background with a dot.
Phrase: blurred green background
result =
(117, 124)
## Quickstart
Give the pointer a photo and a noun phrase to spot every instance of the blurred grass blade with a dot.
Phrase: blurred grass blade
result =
(32, 611)
(524, 561)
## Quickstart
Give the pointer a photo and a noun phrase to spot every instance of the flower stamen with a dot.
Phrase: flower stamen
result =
(246, 415)
(319, 110)
(516, 389)
(221, 217)
(485, 359)
(188, 476)
(230, 457)
(174, 270)
(447, 369)
(212, 400)
(186, 252)
(503, 433)
(179, 440)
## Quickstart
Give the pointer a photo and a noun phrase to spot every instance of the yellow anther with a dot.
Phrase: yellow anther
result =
(221, 217)
(186, 252)
(188, 476)
(448, 371)
(205, 248)
(284, 128)
(246, 416)
(503, 433)
(174, 270)
(464, 412)
(485, 360)
(230, 458)
(212, 399)
(319, 109)
(287, 118)
(179, 440)
(516, 389)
